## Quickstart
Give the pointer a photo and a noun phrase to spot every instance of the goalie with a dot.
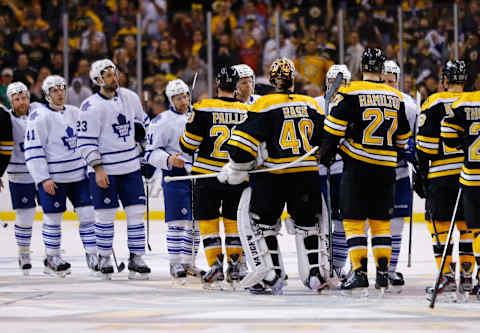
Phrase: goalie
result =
(290, 126)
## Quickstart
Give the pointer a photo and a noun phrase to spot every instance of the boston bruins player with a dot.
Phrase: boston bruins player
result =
(439, 167)
(206, 133)
(370, 117)
(462, 130)
(290, 125)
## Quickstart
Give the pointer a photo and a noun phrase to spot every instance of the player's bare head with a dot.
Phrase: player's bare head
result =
(246, 81)
(178, 95)
(372, 63)
(19, 97)
(54, 87)
(282, 74)
(454, 73)
(391, 74)
(227, 78)
(104, 73)
(333, 72)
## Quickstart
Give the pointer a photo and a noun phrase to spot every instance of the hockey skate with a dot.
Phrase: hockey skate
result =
(396, 282)
(194, 271)
(274, 286)
(178, 274)
(24, 263)
(465, 286)
(55, 266)
(446, 289)
(92, 263)
(381, 280)
(138, 269)
(356, 284)
(105, 267)
(213, 279)
(233, 271)
(315, 281)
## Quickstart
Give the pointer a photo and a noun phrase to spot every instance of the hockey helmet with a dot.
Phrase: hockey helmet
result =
(335, 69)
(227, 78)
(391, 67)
(455, 71)
(372, 60)
(176, 87)
(245, 71)
(16, 88)
(97, 69)
(52, 81)
(282, 73)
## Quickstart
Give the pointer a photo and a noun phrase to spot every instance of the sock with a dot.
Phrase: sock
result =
(174, 242)
(104, 229)
(465, 248)
(233, 244)
(396, 229)
(381, 240)
(212, 243)
(23, 227)
(441, 228)
(340, 247)
(136, 229)
(52, 232)
(356, 241)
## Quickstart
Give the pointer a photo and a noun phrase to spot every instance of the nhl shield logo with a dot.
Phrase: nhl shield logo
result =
(122, 128)
(24, 200)
(56, 204)
(70, 140)
(184, 211)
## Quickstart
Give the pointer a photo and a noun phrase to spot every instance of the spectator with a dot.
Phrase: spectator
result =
(223, 16)
(129, 29)
(311, 68)
(57, 63)
(369, 33)
(90, 34)
(77, 92)
(270, 53)
(353, 54)
(7, 57)
(83, 72)
(36, 52)
(195, 66)
(153, 11)
(24, 36)
(164, 59)
(182, 31)
(36, 89)
(23, 72)
(224, 54)
(7, 78)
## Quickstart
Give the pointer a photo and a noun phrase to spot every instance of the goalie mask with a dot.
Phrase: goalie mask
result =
(282, 73)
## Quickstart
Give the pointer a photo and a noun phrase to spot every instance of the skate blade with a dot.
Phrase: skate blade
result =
(394, 289)
(94, 273)
(232, 285)
(463, 297)
(106, 277)
(216, 285)
(179, 282)
(355, 293)
(132, 275)
(53, 273)
(444, 297)
(26, 272)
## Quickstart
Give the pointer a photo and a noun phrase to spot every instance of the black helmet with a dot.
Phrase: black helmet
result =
(372, 60)
(455, 71)
(227, 78)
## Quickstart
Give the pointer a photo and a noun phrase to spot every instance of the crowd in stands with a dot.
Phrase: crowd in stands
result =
(174, 41)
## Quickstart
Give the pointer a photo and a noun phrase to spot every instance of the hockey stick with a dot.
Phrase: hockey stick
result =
(410, 228)
(328, 96)
(120, 267)
(148, 217)
(445, 249)
(214, 174)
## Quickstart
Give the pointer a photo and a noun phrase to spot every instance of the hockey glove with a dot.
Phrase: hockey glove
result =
(147, 170)
(231, 176)
(419, 180)
(139, 132)
(408, 154)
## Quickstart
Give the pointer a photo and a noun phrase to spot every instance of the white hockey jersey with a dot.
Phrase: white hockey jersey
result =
(106, 131)
(163, 139)
(252, 99)
(17, 168)
(337, 166)
(411, 112)
(51, 145)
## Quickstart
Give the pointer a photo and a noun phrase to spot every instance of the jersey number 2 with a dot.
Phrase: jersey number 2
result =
(222, 133)
(474, 149)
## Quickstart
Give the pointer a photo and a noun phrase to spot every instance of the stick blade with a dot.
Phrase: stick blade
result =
(121, 267)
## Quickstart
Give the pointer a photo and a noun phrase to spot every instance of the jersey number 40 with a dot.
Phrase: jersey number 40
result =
(289, 138)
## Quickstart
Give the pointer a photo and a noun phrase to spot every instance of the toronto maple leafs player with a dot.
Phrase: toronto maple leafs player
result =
(59, 172)
(164, 152)
(245, 90)
(106, 141)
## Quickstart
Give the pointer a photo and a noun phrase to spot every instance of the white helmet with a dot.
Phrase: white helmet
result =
(16, 88)
(52, 81)
(244, 70)
(335, 69)
(97, 68)
(174, 88)
(391, 66)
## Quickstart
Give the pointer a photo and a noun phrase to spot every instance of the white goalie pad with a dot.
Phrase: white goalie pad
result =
(256, 251)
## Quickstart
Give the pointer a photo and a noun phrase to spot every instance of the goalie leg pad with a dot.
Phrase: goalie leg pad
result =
(260, 245)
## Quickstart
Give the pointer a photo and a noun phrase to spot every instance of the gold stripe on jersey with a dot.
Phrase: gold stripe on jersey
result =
(242, 146)
(470, 177)
(246, 136)
(244, 141)
(402, 140)
(205, 165)
(467, 99)
(445, 97)
(211, 162)
(218, 105)
(186, 144)
(335, 126)
(309, 164)
(192, 136)
(428, 145)
(445, 167)
(190, 140)
(372, 156)
(291, 104)
(372, 88)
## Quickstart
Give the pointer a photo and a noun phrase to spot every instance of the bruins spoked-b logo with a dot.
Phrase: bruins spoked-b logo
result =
(122, 128)
(70, 140)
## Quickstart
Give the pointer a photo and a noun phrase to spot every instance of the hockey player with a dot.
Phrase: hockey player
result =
(56, 166)
(439, 167)
(106, 141)
(370, 117)
(22, 186)
(290, 124)
(246, 84)
(403, 189)
(461, 130)
(163, 151)
(340, 249)
(207, 130)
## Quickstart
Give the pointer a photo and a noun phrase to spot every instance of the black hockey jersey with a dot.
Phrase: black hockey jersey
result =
(6, 140)
(462, 129)
(289, 124)
(207, 131)
(444, 160)
(371, 119)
